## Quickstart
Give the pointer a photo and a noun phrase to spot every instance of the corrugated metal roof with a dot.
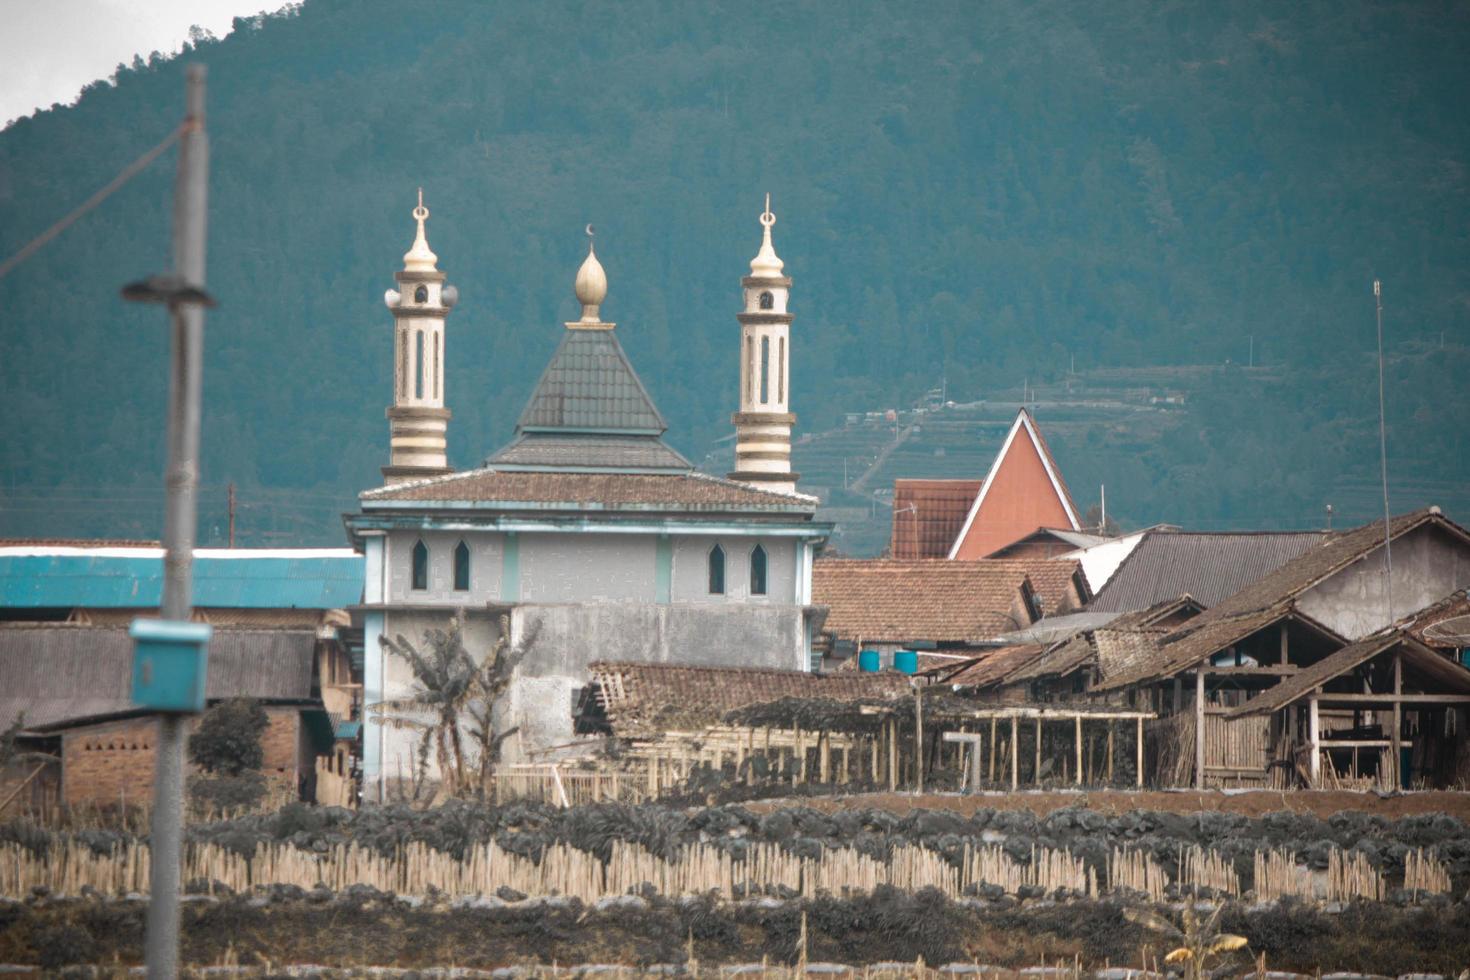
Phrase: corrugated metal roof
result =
(590, 384)
(1207, 566)
(102, 578)
(63, 672)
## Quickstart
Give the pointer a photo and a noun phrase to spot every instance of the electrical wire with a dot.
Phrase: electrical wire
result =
(125, 175)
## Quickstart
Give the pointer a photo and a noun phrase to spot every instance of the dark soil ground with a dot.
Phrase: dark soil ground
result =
(887, 926)
(1321, 803)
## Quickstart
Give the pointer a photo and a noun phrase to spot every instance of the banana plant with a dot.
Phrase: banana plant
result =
(1200, 948)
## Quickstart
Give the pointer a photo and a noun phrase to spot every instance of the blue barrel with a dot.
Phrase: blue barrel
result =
(869, 662)
(906, 661)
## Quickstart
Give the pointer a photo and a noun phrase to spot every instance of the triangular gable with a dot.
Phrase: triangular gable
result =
(1022, 492)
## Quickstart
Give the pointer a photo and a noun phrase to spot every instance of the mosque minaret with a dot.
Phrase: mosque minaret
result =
(418, 419)
(763, 423)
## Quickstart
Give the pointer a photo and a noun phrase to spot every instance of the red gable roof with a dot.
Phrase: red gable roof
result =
(1022, 492)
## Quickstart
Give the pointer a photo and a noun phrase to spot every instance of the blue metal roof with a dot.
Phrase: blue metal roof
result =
(240, 579)
(348, 729)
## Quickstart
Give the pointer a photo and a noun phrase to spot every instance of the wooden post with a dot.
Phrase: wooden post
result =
(1078, 721)
(1037, 775)
(1283, 643)
(1015, 753)
(1398, 718)
(892, 754)
(801, 757)
(975, 764)
(1314, 737)
(1112, 726)
(824, 748)
(873, 763)
(1199, 727)
(918, 741)
(1178, 694)
(992, 748)
(1138, 751)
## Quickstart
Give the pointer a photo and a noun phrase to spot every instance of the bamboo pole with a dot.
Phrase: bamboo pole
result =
(1138, 752)
(918, 741)
(1199, 727)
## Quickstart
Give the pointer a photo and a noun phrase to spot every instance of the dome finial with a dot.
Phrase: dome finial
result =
(591, 284)
(419, 258)
(766, 262)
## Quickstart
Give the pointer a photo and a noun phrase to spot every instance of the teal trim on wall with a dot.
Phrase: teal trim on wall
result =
(663, 570)
(510, 568)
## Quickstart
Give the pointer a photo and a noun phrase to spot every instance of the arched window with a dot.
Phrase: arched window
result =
(717, 570)
(767, 300)
(421, 295)
(461, 567)
(765, 370)
(418, 364)
(758, 571)
(420, 566)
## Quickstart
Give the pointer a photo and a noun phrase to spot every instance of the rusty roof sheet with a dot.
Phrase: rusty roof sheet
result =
(59, 673)
(1207, 566)
(928, 515)
(595, 491)
(885, 600)
(644, 700)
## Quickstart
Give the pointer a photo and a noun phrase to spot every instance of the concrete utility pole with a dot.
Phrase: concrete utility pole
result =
(183, 291)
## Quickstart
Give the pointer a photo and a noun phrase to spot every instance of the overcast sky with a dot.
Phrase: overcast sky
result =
(49, 49)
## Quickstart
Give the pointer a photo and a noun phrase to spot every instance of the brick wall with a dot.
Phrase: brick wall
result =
(109, 763)
(112, 762)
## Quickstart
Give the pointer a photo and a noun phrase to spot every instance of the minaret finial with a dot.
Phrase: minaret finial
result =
(591, 284)
(420, 258)
(767, 262)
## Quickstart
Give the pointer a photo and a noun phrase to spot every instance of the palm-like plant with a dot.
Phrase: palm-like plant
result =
(1200, 947)
(452, 695)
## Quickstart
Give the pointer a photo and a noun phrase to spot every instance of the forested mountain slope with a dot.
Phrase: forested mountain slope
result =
(980, 192)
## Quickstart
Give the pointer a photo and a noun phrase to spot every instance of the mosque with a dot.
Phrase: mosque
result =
(586, 535)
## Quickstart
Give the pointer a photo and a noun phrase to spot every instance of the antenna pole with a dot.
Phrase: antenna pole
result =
(1383, 452)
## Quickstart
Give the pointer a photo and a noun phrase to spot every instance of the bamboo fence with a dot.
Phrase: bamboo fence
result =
(701, 869)
(1137, 871)
(1424, 873)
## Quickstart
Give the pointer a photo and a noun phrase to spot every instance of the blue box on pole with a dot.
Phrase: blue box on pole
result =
(170, 661)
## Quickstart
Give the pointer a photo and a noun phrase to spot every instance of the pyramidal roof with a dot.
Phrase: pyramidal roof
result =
(589, 411)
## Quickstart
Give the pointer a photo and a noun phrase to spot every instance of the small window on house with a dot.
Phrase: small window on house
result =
(717, 570)
(420, 566)
(767, 300)
(758, 571)
(421, 295)
(461, 567)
